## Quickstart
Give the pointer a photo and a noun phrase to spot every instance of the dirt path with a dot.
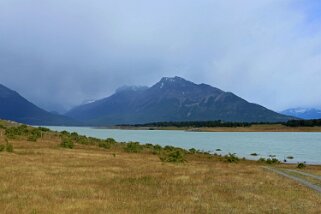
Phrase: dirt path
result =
(297, 179)
(305, 174)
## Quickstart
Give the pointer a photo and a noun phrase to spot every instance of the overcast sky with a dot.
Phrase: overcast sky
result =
(58, 53)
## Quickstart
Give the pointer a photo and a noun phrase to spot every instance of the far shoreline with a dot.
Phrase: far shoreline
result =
(252, 128)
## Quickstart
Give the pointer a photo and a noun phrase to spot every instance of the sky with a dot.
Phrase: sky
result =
(61, 53)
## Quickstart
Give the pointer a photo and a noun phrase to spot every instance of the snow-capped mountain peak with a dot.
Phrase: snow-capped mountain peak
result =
(304, 113)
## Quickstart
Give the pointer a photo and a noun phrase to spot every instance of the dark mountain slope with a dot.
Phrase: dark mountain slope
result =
(14, 107)
(172, 99)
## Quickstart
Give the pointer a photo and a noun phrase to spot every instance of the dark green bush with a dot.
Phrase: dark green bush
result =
(272, 161)
(64, 133)
(149, 146)
(133, 147)
(104, 144)
(83, 140)
(92, 140)
(9, 147)
(176, 156)
(301, 165)
(74, 134)
(169, 148)
(111, 141)
(192, 151)
(67, 143)
(157, 147)
(15, 132)
(231, 158)
(23, 131)
(43, 129)
(34, 135)
(2, 147)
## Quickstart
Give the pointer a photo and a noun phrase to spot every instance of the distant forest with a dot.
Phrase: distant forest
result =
(308, 123)
(195, 124)
(219, 123)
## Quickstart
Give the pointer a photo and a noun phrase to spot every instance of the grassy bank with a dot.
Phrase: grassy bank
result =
(44, 176)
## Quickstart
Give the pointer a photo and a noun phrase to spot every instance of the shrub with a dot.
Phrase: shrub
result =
(104, 144)
(192, 151)
(9, 147)
(82, 140)
(32, 138)
(74, 134)
(272, 161)
(29, 133)
(43, 129)
(133, 147)
(149, 146)
(64, 133)
(169, 148)
(301, 165)
(92, 140)
(67, 143)
(231, 158)
(111, 141)
(33, 135)
(14, 132)
(157, 147)
(176, 156)
(261, 160)
(2, 147)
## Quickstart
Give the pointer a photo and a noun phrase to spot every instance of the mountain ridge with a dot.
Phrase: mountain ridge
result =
(304, 113)
(173, 99)
(15, 107)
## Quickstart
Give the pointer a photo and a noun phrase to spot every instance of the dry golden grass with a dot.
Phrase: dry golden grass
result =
(41, 177)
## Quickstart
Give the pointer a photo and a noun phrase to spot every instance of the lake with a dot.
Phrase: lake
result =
(303, 146)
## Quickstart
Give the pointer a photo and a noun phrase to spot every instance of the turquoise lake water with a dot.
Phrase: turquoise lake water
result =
(303, 146)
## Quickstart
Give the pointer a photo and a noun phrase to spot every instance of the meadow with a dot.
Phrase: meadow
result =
(51, 172)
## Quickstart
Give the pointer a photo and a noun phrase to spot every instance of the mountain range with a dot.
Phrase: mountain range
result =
(172, 99)
(304, 113)
(16, 108)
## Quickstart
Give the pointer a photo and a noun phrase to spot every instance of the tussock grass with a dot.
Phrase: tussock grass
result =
(42, 177)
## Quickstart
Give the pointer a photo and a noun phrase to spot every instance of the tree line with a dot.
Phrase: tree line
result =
(307, 123)
(220, 123)
(193, 124)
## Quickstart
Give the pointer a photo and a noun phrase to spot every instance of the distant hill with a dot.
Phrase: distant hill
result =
(16, 108)
(304, 113)
(172, 99)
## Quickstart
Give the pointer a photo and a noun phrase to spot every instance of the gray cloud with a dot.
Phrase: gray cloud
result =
(59, 53)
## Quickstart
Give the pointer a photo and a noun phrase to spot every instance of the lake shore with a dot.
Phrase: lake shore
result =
(253, 128)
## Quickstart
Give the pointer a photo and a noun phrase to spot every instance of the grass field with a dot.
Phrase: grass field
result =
(42, 177)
